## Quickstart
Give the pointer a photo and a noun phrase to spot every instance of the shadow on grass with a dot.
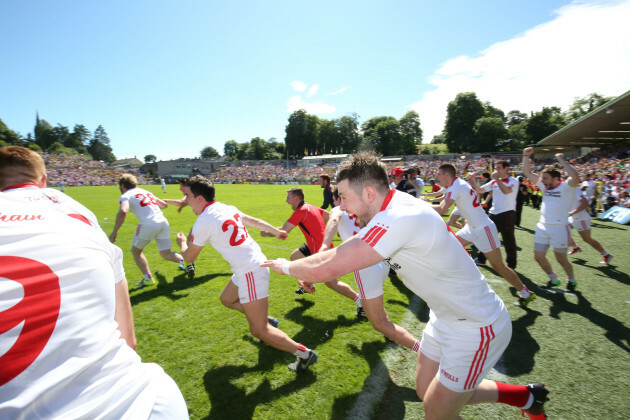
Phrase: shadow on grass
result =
(518, 357)
(609, 271)
(423, 312)
(166, 289)
(600, 225)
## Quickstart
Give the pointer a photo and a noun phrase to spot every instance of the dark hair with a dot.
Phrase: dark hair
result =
(325, 177)
(363, 169)
(504, 163)
(202, 186)
(128, 181)
(297, 192)
(486, 175)
(335, 193)
(554, 173)
(448, 169)
(184, 181)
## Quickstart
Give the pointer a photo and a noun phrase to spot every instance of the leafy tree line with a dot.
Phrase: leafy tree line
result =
(60, 139)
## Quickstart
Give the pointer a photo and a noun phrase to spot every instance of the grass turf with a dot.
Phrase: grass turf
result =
(577, 344)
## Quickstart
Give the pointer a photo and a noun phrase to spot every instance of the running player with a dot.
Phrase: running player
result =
(223, 227)
(580, 219)
(153, 225)
(369, 280)
(469, 326)
(479, 229)
(553, 227)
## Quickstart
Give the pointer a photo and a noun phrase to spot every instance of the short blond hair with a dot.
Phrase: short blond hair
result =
(19, 165)
(128, 181)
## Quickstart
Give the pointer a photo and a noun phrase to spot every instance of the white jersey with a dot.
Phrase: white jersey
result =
(348, 224)
(416, 242)
(502, 202)
(556, 203)
(581, 215)
(591, 186)
(467, 201)
(142, 203)
(61, 354)
(220, 225)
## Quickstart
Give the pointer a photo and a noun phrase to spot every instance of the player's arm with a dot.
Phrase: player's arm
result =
(120, 219)
(574, 178)
(263, 227)
(453, 220)
(505, 189)
(436, 193)
(354, 254)
(527, 168)
(190, 252)
(582, 206)
(178, 203)
(444, 205)
(160, 203)
(472, 180)
(123, 314)
(325, 216)
(330, 231)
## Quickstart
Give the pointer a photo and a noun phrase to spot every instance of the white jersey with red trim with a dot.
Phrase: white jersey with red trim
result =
(467, 201)
(142, 204)
(583, 214)
(556, 203)
(416, 242)
(220, 225)
(61, 351)
(348, 224)
(502, 202)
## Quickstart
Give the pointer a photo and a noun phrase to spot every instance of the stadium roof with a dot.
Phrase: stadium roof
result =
(607, 125)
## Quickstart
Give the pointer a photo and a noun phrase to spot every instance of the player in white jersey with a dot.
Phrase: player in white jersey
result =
(469, 326)
(479, 229)
(152, 225)
(369, 280)
(68, 329)
(553, 227)
(580, 219)
(224, 227)
(163, 184)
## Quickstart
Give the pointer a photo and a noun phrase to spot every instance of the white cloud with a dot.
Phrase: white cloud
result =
(296, 103)
(342, 90)
(312, 91)
(298, 86)
(584, 49)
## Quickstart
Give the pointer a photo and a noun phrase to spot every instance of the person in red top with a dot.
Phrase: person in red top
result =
(312, 222)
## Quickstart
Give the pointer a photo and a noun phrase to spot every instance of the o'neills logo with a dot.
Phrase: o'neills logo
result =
(449, 376)
(20, 217)
(37, 311)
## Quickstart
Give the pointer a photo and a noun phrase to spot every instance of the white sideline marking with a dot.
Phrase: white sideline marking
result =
(376, 383)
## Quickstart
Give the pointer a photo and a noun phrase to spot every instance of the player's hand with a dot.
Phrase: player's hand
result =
(528, 151)
(112, 237)
(266, 234)
(495, 175)
(323, 248)
(275, 265)
(560, 157)
(180, 238)
(472, 176)
(306, 286)
(283, 235)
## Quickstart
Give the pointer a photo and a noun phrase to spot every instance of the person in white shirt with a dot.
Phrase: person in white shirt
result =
(69, 326)
(163, 184)
(152, 226)
(479, 229)
(469, 326)
(224, 227)
(553, 227)
(591, 192)
(580, 220)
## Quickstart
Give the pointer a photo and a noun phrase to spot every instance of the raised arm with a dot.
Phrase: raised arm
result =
(472, 180)
(574, 177)
(527, 168)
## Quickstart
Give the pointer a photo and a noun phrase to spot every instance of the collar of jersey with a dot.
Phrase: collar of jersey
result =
(300, 205)
(16, 186)
(388, 198)
(208, 205)
(454, 179)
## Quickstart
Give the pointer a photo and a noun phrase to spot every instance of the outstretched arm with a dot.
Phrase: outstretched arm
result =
(527, 168)
(574, 177)
(263, 227)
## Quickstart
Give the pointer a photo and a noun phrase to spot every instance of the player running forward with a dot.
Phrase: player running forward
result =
(479, 229)
(580, 219)
(311, 221)
(223, 227)
(153, 225)
(469, 326)
(553, 227)
(369, 280)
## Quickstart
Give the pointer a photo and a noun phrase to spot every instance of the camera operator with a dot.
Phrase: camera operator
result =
(399, 177)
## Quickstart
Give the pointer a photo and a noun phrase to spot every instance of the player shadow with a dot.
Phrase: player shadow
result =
(528, 230)
(170, 290)
(518, 358)
(606, 270)
(391, 396)
(607, 225)
(422, 314)
(231, 398)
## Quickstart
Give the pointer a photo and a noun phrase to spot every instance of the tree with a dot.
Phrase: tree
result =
(209, 153)
(384, 134)
(99, 146)
(488, 132)
(490, 111)
(517, 138)
(301, 133)
(230, 148)
(582, 106)
(79, 138)
(411, 133)
(542, 124)
(515, 117)
(150, 158)
(44, 135)
(101, 135)
(348, 134)
(438, 139)
(461, 115)
(8, 136)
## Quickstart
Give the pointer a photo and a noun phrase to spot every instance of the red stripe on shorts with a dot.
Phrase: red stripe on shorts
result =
(357, 279)
(493, 245)
(487, 335)
(251, 286)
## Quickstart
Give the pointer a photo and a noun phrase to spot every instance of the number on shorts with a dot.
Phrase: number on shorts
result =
(226, 226)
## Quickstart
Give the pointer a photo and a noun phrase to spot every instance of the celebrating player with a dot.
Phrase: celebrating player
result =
(153, 225)
(469, 326)
(223, 227)
(580, 219)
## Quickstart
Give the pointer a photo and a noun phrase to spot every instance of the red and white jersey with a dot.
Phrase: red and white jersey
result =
(416, 242)
(220, 225)
(502, 202)
(581, 215)
(556, 203)
(142, 204)
(61, 353)
(348, 224)
(54, 199)
(468, 203)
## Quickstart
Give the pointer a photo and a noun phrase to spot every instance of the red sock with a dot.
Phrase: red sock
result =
(514, 395)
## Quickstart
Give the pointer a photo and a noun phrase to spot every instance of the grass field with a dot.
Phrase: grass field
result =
(579, 345)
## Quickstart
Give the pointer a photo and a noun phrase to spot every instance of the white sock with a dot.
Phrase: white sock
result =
(357, 299)
(524, 292)
(302, 351)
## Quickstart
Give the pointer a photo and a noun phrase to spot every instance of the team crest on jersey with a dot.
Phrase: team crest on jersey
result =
(394, 266)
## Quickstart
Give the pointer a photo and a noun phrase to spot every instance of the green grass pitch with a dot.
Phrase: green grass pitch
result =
(579, 345)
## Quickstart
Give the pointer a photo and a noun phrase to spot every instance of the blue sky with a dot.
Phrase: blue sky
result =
(169, 78)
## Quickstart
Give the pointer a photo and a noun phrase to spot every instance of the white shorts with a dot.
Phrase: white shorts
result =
(252, 285)
(581, 224)
(161, 232)
(556, 236)
(370, 280)
(466, 355)
(485, 238)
